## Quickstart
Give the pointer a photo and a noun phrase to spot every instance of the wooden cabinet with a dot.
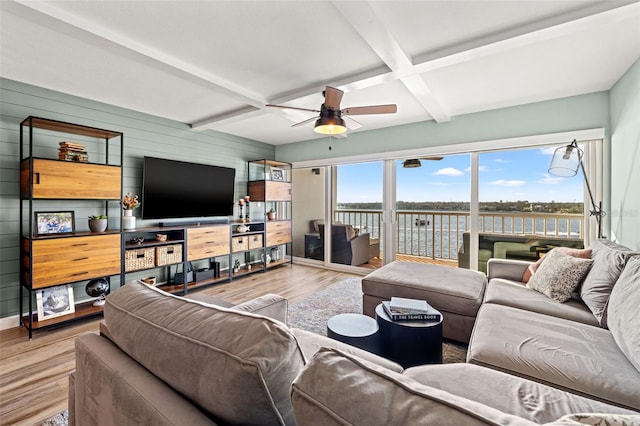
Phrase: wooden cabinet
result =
(54, 179)
(206, 242)
(45, 185)
(60, 260)
(278, 233)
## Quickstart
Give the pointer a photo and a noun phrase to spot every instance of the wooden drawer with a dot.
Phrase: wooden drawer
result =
(255, 241)
(278, 233)
(240, 243)
(207, 242)
(64, 260)
(69, 180)
(270, 190)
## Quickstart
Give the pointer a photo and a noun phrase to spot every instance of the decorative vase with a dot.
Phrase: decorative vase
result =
(128, 220)
(98, 225)
(271, 216)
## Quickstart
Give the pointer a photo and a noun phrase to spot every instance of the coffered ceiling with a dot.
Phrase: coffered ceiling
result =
(215, 64)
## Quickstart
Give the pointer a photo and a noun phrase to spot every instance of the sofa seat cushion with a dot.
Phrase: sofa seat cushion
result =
(453, 290)
(510, 394)
(236, 366)
(623, 316)
(511, 293)
(340, 389)
(576, 357)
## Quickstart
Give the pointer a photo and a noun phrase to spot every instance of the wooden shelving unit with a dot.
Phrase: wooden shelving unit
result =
(75, 256)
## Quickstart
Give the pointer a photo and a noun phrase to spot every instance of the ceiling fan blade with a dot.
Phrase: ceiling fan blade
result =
(332, 98)
(372, 109)
(292, 107)
(307, 121)
(351, 123)
(433, 157)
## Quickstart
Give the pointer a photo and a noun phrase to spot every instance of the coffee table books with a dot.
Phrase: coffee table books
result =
(429, 314)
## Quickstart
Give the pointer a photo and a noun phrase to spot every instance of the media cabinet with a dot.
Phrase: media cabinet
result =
(52, 258)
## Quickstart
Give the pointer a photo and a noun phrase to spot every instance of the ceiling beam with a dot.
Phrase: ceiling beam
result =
(367, 20)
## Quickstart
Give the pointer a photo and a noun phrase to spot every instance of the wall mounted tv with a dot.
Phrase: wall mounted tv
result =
(175, 189)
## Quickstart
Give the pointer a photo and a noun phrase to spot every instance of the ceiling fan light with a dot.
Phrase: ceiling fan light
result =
(411, 163)
(330, 126)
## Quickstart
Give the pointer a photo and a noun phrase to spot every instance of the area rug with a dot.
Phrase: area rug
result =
(345, 297)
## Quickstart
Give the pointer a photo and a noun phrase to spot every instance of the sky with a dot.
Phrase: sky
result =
(512, 175)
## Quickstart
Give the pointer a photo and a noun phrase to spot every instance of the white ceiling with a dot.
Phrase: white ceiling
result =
(215, 64)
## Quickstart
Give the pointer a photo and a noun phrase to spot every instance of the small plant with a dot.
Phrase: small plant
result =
(272, 210)
(98, 217)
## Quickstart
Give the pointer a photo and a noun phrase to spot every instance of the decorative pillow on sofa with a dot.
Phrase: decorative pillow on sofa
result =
(352, 232)
(559, 275)
(609, 259)
(580, 253)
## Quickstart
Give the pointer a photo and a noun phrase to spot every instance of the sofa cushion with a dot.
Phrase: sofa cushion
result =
(559, 275)
(609, 259)
(200, 350)
(511, 293)
(507, 393)
(623, 318)
(340, 389)
(580, 358)
(580, 253)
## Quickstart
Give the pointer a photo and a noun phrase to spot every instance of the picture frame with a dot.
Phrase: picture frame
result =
(54, 302)
(277, 173)
(60, 222)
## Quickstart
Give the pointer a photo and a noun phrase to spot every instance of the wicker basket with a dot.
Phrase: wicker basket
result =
(139, 259)
(168, 255)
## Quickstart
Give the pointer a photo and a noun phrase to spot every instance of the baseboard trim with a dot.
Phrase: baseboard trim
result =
(9, 322)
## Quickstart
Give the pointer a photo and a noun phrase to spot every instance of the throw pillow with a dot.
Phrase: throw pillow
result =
(559, 275)
(609, 259)
(580, 253)
(352, 232)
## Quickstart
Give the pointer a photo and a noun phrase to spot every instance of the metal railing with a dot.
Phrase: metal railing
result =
(438, 234)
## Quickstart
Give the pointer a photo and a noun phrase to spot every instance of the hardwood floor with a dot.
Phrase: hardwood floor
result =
(34, 373)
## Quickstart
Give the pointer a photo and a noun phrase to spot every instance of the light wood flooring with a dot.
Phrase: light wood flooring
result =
(33, 373)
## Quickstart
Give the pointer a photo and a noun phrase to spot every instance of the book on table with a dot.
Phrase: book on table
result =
(402, 305)
(430, 314)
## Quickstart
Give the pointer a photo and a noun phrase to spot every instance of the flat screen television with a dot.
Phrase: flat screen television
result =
(176, 189)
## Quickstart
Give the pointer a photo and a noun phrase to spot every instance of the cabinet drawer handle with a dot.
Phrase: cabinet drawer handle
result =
(80, 258)
(80, 244)
(80, 273)
(210, 242)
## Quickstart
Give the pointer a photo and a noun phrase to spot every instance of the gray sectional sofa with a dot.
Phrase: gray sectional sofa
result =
(163, 359)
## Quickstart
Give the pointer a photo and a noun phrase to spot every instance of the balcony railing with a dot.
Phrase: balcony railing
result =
(438, 234)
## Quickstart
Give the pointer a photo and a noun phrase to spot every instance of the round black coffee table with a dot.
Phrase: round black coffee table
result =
(355, 329)
(409, 343)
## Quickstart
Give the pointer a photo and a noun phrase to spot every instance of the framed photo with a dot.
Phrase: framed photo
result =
(277, 173)
(54, 223)
(54, 302)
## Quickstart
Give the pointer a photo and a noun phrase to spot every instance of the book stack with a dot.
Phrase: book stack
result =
(403, 309)
(72, 151)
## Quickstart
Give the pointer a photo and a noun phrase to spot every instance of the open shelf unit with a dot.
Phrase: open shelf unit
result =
(54, 255)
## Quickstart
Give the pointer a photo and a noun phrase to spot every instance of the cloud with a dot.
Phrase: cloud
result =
(550, 180)
(449, 171)
(503, 182)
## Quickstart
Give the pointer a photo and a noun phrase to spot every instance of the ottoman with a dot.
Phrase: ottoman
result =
(457, 293)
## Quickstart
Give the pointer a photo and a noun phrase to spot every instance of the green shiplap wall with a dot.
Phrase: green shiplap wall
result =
(625, 155)
(143, 135)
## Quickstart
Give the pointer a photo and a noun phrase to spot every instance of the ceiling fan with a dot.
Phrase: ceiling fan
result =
(332, 118)
(411, 163)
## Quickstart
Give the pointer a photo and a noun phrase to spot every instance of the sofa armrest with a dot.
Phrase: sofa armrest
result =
(269, 305)
(310, 343)
(509, 269)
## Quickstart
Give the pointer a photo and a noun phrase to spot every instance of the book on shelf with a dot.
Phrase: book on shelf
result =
(72, 145)
(432, 315)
